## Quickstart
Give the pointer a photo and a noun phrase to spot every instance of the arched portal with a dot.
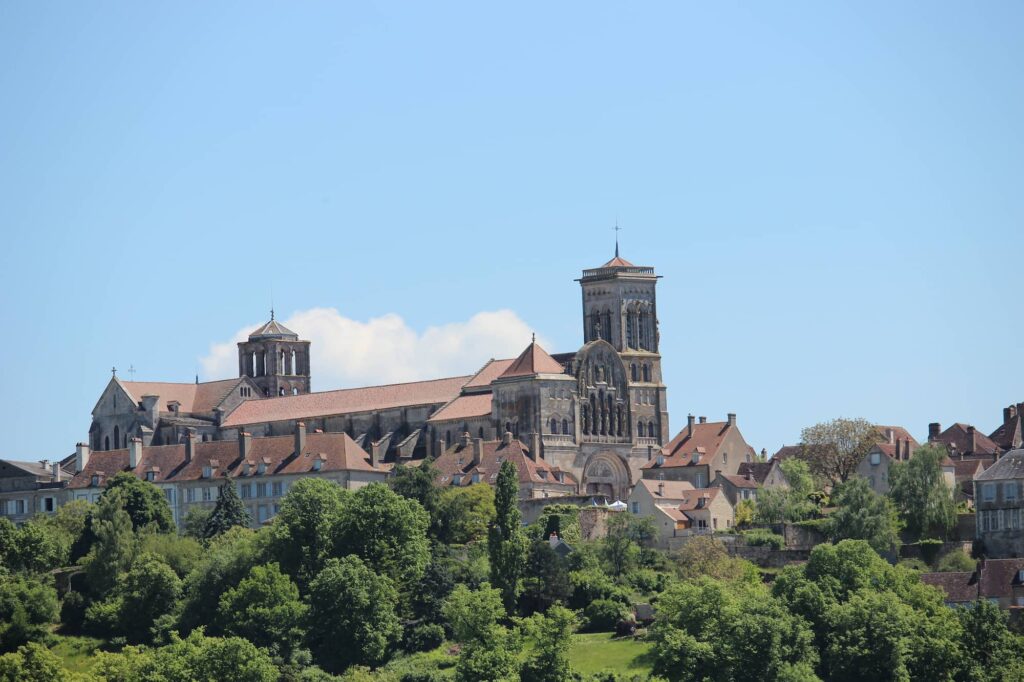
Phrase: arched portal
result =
(606, 474)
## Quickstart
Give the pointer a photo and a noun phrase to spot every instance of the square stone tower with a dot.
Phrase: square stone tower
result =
(276, 359)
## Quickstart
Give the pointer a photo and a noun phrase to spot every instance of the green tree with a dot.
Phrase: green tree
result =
(494, 661)
(32, 663)
(149, 590)
(506, 543)
(428, 596)
(473, 615)
(228, 560)
(863, 514)
(352, 615)
(180, 552)
(991, 651)
(38, 547)
(386, 530)
(551, 635)
(27, 608)
(546, 580)
(302, 532)
(621, 548)
(921, 495)
(196, 657)
(834, 449)
(144, 502)
(464, 513)
(710, 630)
(193, 525)
(707, 556)
(419, 483)
(114, 547)
(227, 513)
(265, 608)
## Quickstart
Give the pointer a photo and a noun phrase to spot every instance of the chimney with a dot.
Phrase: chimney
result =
(934, 429)
(442, 445)
(478, 451)
(535, 446)
(718, 474)
(134, 452)
(661, 488)
(466, 439)
(376, 454)
(906, 448)
(972, 439)
(507, 438)
(190, 445)
(650, 452)
(890, 436)
(702, 420)
(57, 471)
(689, 425)
(1007, 414)
(244, 445)
(750, 474)
(300, 437)
(81, 457)
(732, 418)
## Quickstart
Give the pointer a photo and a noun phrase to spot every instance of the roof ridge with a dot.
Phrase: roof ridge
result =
(361, 388)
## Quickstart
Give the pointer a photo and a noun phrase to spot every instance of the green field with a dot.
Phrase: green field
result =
(601, 651)
(76, 653)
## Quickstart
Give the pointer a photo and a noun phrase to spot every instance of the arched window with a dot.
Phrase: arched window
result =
(650, 429)
(647, 372)
(630, 330)
(607, 326)
(280, 391)
(641, 330)
(106, 442)
(565, 426)
(632, 372)
(554, 425)
(252, 367)
(124, 440)
(263, 365)
(117, 437)
(295, 391)
(447, 437)
(508, 427)
(294, 367)
(640, 430)
(480, 433)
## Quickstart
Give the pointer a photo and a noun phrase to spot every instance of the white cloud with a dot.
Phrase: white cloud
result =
(383, 350)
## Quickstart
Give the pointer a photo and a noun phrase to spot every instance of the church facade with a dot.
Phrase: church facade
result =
(595, 416)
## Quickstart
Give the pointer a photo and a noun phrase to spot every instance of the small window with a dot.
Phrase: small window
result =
(47, 504)
(207, 495)
(190, 495)
(276, 489)
(95, 481)
(261, 490)
(876, 458)
(636, 507)
(988, 492)
(150, 476)
(457, 479)
(317, 463)
(1010, 490)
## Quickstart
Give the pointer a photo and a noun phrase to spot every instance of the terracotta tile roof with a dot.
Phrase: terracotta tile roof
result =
(998, 576)
(959, 586)
(618, 262)
(272, 329)
(759, 470)
(533, 360)
(192, 397)
(968, 468)
(1010, 465)
(959, 437)
(898, 433)
(345, 401)
(692, 502)
(706, 439)
(458, 459)
(464, 407)
(741, 481)
(787, 451)
(674, 490)
(337, 452)
(1011, 433)
(488, 373)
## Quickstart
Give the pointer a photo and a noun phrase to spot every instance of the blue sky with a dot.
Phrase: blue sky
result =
(831, 191)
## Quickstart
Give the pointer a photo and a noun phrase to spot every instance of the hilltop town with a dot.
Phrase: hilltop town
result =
(465, 527)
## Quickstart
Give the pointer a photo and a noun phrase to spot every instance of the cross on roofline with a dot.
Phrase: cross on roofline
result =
(617, 230)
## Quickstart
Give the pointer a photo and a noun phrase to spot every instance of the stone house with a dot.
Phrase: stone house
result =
(29, 488)
(262, 469)
(701, 512)
(895, 445)
(1010, 434)
(474, 460)
(699, 451)
(998, 493)
(964, 442)
(648, 495)
(737, 488)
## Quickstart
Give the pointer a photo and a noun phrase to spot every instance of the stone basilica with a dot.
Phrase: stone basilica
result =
(591, 419)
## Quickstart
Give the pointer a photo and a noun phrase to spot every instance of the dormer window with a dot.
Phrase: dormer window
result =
(457, 479)
(317, 463)
(150, 476)
(695, 457)
(660, 460)
(207, 472)
(262, 468)
(95, 481)
(476, 478)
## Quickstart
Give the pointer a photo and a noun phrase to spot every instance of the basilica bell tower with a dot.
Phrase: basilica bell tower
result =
(276, 359)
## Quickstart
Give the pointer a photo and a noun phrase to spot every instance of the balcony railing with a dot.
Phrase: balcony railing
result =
(558, 439)
(643, 440)
(633, 270)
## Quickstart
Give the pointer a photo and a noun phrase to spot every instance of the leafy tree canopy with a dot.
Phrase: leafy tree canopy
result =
(863, 514)
(834, 449)
(228, 513)
(921, 494)
(144, 502)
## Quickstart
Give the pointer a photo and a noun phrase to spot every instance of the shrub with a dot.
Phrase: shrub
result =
(72, 611)
(764, 538)
(954, 561)
(646, 580)
(930, 549)
(423, 637)
(915, 564)
(602, 615)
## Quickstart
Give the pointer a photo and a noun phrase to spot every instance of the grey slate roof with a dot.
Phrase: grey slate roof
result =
(273, 330)
(1010, 465)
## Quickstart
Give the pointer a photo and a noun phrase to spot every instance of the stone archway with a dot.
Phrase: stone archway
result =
(606, 474)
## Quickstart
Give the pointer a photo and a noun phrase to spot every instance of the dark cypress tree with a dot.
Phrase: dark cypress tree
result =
(506, 543)
(228, 512)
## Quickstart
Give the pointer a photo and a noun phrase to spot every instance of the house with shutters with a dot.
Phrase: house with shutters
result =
(29, 488)
(679, 510)
(999, 515)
